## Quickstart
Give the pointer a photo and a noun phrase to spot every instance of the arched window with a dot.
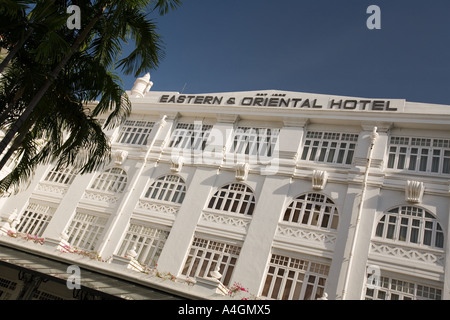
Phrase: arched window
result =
(63, 176)
(233, 198)
(411, 224)
(111, 180)
(169, 188)
(313, 209)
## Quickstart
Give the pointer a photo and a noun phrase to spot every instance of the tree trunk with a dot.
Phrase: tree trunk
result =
(12, 53)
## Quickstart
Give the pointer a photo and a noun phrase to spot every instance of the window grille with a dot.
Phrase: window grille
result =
(85, 230)
(35, 219)
(63, 176)
(42, 295)
(233, 198)
(169, 188)
(289, 278)
(329, 147)
(385, 288)
(111, 180)
(419, 154)
(312, 209)
(7, 288)
(190, 136)
(255, 141)
(412, 225)
(148, 242)
(205, 255)
(135, 132)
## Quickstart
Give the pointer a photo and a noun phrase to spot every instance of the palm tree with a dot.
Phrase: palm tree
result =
(17, 25)
(85, 68)
(62, 129)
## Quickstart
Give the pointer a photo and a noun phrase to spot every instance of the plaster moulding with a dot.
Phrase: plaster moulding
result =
(319, 179)
(414, 191)
(242, 171)
(176, 164)
(120, 156)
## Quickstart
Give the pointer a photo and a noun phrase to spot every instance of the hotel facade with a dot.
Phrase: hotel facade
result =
(289, 195)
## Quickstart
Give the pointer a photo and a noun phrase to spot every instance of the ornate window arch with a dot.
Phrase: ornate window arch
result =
(234, 198)
(168, 188)
(312, 209)
(63, 176)
(412, 225)
(111, 180)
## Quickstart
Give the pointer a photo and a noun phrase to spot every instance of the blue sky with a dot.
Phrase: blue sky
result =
(314, 46)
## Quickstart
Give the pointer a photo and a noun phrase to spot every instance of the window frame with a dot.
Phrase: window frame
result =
(35, 219)
(205, 254)
(292, 278)
(418, 154)
(104, 182)
(386, 287)
(329, 147)
(178, 191)
(134, 132)
(86, 230)
(148, 239)
(64, 176)
(255, 141)
(240, 201)
(190, 136)
(402, 228)
(297, 211)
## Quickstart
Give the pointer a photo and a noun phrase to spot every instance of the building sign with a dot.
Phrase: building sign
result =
(281, 101)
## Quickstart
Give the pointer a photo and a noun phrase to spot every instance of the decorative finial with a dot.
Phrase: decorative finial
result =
(141, 86)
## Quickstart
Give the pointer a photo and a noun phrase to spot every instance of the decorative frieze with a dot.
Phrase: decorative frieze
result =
(240, 223)
(158, 207)
(61, 190)
(319, 237)
(411, 254)
(96, 196)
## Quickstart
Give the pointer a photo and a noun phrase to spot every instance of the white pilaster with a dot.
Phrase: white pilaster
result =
(256, 251)
(182, 232)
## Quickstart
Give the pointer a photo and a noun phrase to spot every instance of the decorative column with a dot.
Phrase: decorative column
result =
(136, 182)
(348, 267)
(251, 265)
(183, 229)
(68, 205)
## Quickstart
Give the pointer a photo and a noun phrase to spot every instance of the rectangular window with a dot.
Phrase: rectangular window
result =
(205, 255)
(190, 136)
(135, 132)
(147, 241)
(329, 147)
(289, 278)
(7, 288)
(255, 141)
(419, 154)
(85, 230)
(35, 219)
(394, 289)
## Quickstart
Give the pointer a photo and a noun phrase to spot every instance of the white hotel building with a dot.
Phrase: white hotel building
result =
(291, 195)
